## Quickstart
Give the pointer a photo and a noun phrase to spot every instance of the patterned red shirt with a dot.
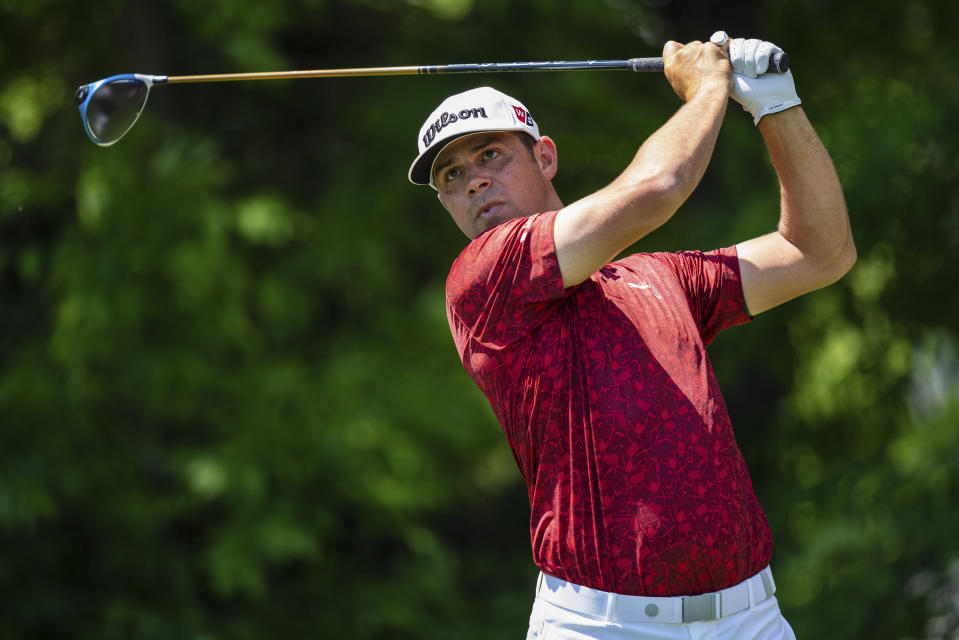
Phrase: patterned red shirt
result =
(611, 408)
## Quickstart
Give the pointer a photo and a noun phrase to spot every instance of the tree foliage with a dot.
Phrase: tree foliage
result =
(229, 403)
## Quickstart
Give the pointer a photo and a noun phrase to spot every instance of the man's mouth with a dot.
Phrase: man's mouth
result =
(487, 208)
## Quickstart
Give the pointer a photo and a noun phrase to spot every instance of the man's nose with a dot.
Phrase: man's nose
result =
(478, 181)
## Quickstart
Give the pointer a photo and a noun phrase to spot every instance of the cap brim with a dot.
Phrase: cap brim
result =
(423, 165)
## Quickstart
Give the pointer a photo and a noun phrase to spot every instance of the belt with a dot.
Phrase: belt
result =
(668, 610)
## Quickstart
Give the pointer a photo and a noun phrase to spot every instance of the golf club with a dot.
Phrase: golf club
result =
(110, 107)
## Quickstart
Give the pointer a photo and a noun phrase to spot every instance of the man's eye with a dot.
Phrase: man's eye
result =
(452, 174)
(489, 154)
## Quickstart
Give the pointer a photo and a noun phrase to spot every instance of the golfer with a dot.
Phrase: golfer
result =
(644, 523)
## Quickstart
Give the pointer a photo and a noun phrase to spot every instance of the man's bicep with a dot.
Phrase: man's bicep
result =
(773, 271)
(581, 246)
(592, 231)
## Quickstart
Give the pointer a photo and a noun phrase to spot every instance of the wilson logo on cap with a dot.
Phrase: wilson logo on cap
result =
(447, 119)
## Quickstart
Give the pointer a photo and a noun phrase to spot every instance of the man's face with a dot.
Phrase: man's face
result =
(490, 177)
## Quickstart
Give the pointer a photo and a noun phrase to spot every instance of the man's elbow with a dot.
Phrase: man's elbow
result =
(660, 195)
(841, 262)
(648, 201)
(850, 255)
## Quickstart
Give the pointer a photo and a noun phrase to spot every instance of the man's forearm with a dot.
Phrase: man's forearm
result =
(813, 211)
(676, 155)
(665, 170)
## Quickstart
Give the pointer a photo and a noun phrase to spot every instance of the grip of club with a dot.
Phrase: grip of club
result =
(778, 63)
(645, 64)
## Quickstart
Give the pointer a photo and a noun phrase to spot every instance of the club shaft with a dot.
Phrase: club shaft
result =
(635, 64)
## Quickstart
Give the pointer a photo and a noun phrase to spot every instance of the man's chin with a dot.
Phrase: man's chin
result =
(496, 217)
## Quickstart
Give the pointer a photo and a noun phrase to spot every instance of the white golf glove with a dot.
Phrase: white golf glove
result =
(758, 92)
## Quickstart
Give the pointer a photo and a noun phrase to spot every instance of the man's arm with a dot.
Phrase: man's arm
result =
(668, 166)
(813, 246)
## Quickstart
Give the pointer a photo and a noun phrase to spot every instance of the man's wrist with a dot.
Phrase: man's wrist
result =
(714, 87)
(781, 122)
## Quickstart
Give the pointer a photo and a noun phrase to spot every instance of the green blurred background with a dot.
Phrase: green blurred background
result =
(229, 403)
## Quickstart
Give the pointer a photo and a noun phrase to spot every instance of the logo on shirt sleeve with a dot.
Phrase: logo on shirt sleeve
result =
(645, 287)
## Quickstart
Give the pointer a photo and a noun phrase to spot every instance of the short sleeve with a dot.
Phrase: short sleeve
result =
(713, 288)
(504, 283)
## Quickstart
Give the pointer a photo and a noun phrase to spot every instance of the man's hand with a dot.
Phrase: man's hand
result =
(758, 92)
(696, 66)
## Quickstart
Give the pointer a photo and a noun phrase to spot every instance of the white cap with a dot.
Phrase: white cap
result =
(481, 109)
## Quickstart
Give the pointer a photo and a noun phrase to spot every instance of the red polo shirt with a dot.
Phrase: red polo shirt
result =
(612, 411)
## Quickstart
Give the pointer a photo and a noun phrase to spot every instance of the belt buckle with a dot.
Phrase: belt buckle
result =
(696, 608)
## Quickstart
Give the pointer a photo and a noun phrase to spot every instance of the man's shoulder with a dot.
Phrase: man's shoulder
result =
(491, 243)
(499, 233)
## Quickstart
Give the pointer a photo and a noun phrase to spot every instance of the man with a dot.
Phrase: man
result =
(644, 522)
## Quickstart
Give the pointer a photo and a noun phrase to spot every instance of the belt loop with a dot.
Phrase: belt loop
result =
(768, 586)
(768, 573)
(610, 600)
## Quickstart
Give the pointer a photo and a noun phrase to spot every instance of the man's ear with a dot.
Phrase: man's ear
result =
(547, 157)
